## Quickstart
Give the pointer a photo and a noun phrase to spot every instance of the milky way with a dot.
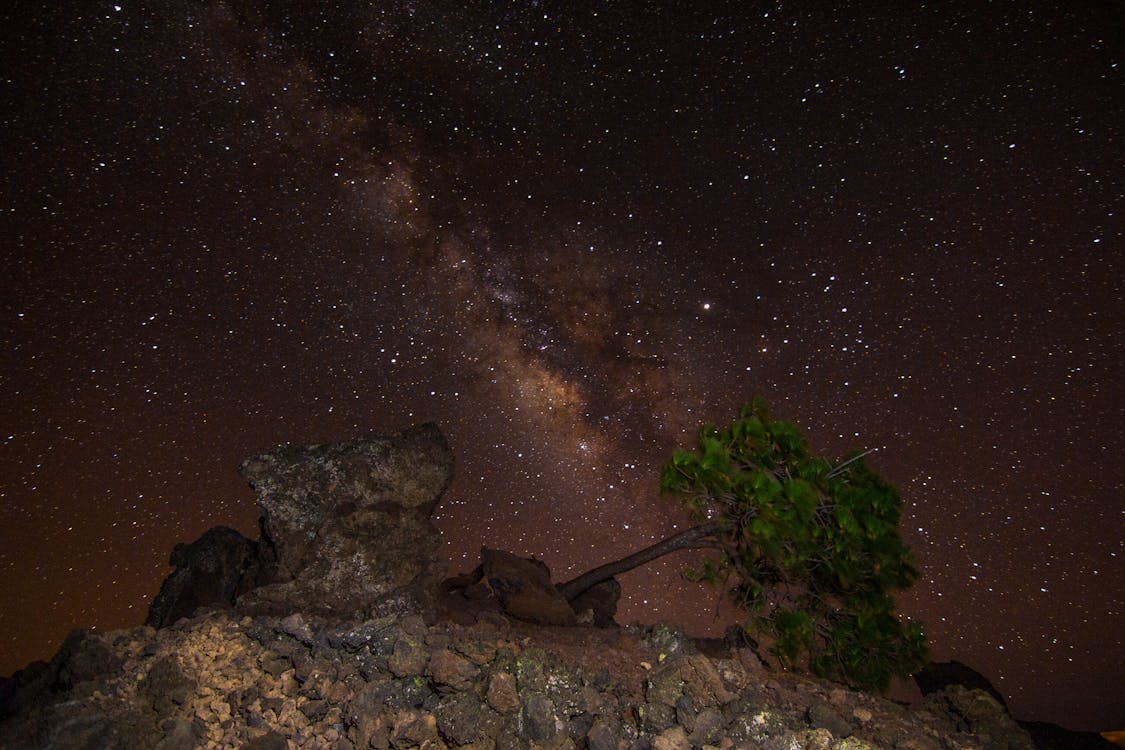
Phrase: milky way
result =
(570, 238)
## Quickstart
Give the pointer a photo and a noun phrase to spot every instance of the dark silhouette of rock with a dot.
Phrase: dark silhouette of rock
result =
(350, 525)
(937, 676)
(212, 571)
(523, 587)
(1047, 736)
(84, 658)
(598, 604)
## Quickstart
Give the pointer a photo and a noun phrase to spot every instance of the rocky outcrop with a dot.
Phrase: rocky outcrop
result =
(324, 634)
(394, 682)
(345, 533)
(350, 524)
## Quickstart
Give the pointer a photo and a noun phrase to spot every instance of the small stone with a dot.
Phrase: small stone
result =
(673, 738)
(452, 672)
(314, 710)
(708, 727)
(822, 716)
(408, 657)
(604, 734)
(296, 626)
(269, 741)
(221, 709)
(502, 694)
(289, 684)
(538, 718)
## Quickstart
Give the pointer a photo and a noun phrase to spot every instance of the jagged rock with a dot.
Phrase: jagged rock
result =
(656, 717)
(598, 604)
(408, 657)
(523, 588)
(673, 738)
(268, 741)
(458, 718)
(165, 686)
(605, 734)
(84, 657)
(214, 570)
(350, 525)
(707, 728)
(689, 676)
(668, 639)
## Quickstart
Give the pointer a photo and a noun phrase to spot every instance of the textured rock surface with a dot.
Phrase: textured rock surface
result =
(349, 524)
(228, 681)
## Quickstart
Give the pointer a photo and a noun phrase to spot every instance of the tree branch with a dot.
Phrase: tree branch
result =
(693, 538)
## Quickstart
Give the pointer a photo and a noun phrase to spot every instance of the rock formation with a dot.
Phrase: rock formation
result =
(345, 533)
(523, 588)
(350, 524)
(976, 711)
(938, 675)
(214, 570)
(325, 633)
(968, 698)
(597, 605)
(222, 679)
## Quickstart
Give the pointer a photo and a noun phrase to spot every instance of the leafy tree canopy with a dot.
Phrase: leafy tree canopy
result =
(813, 547)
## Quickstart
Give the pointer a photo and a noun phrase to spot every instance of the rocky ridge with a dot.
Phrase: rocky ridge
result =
(332, 630)
(223, 680)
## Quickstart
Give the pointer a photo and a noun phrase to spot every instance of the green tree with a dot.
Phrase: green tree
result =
(813, 547)
(808, 547)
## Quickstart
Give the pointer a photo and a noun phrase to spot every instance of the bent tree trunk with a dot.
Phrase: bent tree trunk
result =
(696, 537)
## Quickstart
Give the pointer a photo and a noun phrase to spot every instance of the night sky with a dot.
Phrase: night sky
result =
(570, 235)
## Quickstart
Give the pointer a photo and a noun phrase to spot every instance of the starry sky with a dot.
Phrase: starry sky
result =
(571, 234)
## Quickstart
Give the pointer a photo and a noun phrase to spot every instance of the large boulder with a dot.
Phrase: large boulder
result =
(348, 525)
(523, 587)
(212, 571)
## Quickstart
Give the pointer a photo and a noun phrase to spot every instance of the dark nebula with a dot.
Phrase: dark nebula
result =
(571, 236)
